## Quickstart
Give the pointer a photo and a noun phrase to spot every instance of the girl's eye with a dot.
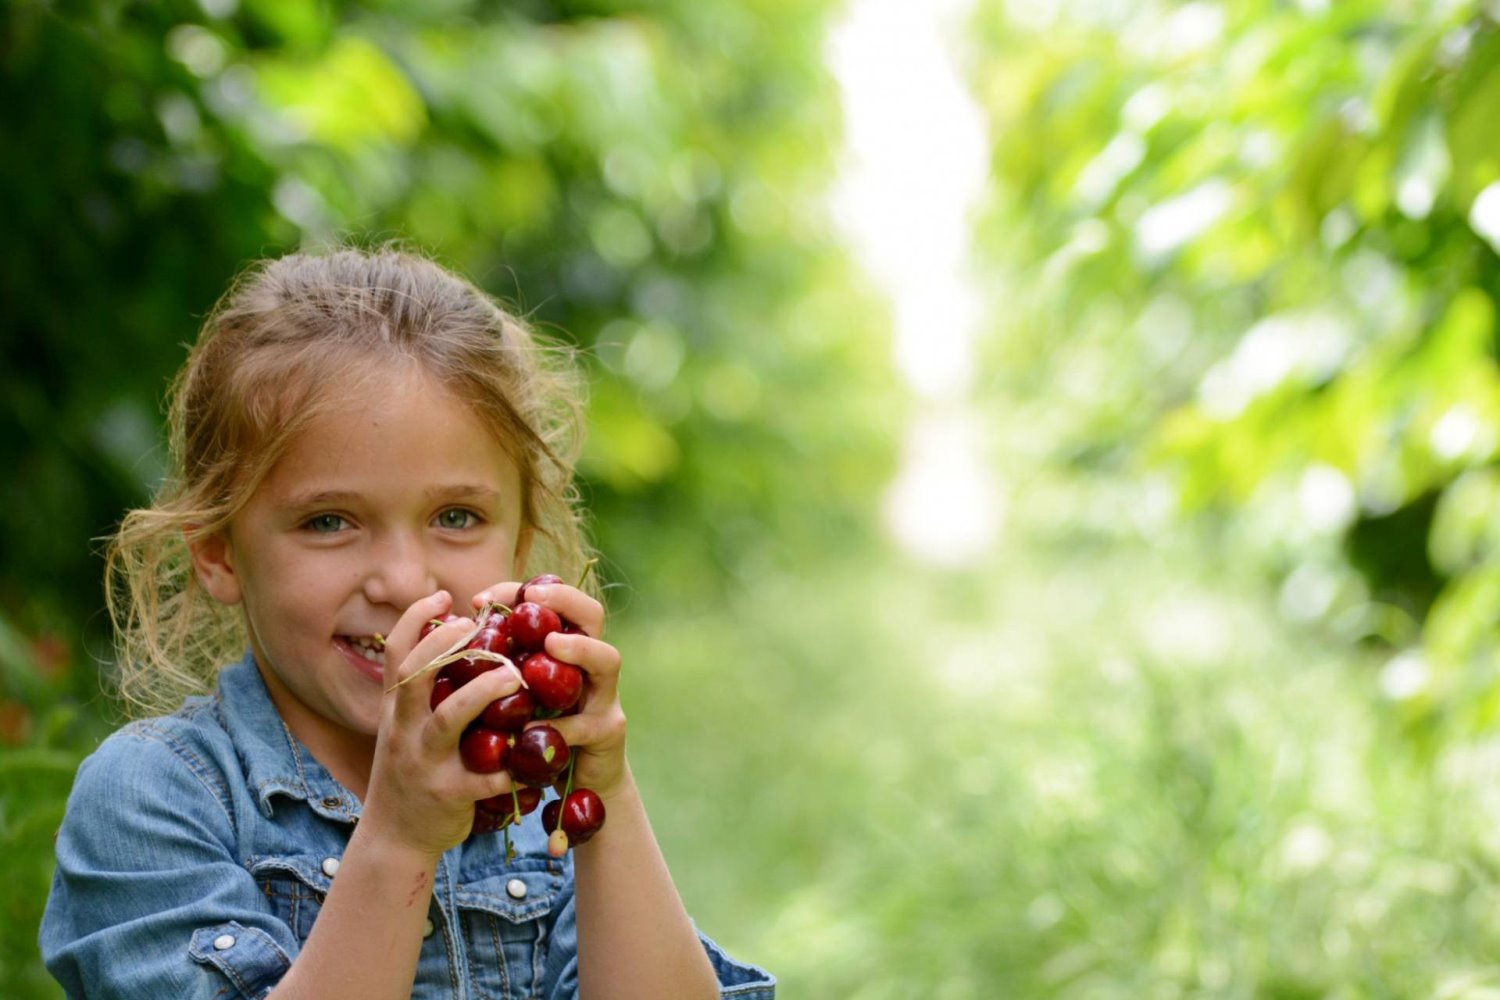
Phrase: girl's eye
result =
(456, 517)
(325, 523)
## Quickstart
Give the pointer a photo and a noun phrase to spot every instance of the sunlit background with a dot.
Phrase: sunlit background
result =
(1043, 454)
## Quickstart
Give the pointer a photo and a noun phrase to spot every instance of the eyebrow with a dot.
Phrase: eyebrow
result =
(338, 498)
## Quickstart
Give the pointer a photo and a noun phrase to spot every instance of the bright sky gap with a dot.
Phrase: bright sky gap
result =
(915, 161)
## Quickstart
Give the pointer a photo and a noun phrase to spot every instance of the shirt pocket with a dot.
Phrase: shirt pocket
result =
(295, 886)
(506, 921)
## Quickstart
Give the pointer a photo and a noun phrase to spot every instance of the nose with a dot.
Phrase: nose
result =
(398, 573)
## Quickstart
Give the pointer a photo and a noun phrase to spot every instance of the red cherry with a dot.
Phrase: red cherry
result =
(511, 713)
(539, 756)
(465, 670)
(549, 814)
(429, 626)
(555, 684)
(484, 750)
(492, 639)
(442, 688)
(489, 639)
(501, 642)
(488, 822)
(506, 803)
(545, 580)
(582, 815)
(530, 624)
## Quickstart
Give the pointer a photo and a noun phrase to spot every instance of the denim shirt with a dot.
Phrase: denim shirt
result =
(198, 847)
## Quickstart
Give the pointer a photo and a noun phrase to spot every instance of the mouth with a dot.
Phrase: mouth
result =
(370, 647)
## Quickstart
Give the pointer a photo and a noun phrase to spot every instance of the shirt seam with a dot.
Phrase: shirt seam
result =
(197, 767)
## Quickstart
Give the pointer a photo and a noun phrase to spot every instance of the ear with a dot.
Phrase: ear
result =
(523, 551)
(213, 563)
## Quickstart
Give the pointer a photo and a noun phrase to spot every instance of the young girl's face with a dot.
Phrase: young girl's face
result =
(397, 493)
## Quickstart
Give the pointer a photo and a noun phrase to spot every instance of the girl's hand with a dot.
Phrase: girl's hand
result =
(421, 795)
(597, 732)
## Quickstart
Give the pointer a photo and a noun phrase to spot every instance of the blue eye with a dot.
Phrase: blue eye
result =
(325, 524)
(456, 517)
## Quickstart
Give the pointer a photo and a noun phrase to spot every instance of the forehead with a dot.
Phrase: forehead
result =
(386, 433)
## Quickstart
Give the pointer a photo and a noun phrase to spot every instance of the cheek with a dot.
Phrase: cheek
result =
(475, 571)
(298, 589)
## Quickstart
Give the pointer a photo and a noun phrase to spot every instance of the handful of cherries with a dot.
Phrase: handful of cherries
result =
(503, 738)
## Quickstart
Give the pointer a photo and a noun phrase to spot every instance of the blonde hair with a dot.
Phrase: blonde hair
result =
(260, 372)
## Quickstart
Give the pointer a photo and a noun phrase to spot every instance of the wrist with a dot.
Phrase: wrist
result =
(383, 844)
(621, 789)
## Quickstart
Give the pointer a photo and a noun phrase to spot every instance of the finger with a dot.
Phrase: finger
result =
(463, 706)
(405, 635)
(595, 657)
(573, 604)
(590, 729)
(455, 782)
(478, 786)
(501, 593)
(413, 694)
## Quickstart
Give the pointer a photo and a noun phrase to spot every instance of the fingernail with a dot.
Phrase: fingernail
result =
(538, 594)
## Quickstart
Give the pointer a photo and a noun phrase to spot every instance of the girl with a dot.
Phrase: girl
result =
(361, 442)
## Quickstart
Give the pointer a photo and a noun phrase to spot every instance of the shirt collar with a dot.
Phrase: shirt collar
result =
(275, 761)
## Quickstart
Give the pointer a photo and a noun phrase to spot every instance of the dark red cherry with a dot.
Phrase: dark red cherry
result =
(488, 822)
(582, 815)
(530, 624)
(506, 803)
(431, 624)
(492, 639)
(489, 639)
(545, 580)
(501, 642)
(511, 713)
(442, 688)
(554, 683)
(484, 750)
(465, 670)
(538, 756)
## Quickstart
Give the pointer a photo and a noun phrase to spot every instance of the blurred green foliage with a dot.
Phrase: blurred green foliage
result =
(1257, 246)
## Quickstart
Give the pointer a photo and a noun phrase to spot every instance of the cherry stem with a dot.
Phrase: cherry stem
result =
(588, 568)
(569, 790)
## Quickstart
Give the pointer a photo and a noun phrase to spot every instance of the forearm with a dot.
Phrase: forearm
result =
(634, 937)
(368, 935)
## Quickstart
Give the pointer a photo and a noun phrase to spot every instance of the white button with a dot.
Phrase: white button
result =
(330, 867)
(516, 888)
(427, 929)
(224, 942)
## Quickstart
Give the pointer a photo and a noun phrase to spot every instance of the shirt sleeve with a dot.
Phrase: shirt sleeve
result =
(737, 980)
(148, 898)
